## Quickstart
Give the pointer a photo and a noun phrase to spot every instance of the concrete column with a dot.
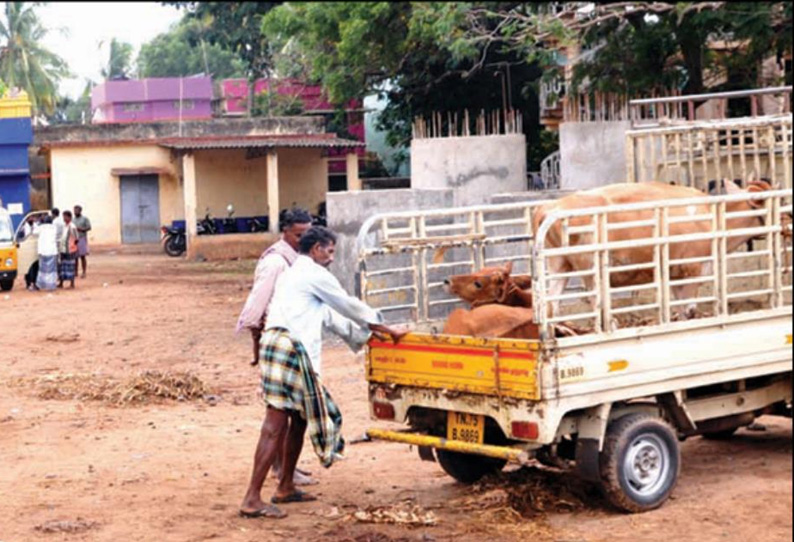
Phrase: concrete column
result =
(189, 192)
(353, 180)
(272, 190)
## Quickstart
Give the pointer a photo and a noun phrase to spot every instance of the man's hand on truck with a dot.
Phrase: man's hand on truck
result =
(396, 333)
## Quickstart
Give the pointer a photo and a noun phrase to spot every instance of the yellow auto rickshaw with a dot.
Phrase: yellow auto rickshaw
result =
(17, 251)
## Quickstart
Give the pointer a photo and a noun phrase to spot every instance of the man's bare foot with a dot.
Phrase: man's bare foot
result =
(300, 478)
(265, 511)
(294, 496)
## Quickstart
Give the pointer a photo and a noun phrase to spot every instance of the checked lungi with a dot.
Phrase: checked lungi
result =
(289, 383)
(67, 267)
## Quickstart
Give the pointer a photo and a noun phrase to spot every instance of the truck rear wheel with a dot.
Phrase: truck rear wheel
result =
(468, 468)
(6, 285)
(640, 462)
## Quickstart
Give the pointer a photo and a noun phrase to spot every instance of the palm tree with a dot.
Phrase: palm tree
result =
(24, 63)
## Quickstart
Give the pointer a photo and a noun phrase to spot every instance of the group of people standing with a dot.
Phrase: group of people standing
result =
(295, 298)
(62, 243)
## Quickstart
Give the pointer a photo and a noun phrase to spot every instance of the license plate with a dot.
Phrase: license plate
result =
(466, 427)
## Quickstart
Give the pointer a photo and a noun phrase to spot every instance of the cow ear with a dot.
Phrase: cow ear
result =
(757, 186)
(731, 187)
(509, 267)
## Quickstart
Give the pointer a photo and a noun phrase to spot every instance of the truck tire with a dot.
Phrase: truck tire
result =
(468, 468)
(6, 285)
(639, 463)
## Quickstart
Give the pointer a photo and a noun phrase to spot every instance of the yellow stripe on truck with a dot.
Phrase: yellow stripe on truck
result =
(482, 366)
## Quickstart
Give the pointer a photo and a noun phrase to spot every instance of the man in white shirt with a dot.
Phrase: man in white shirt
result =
(273, 262)
(57, 221)
(307, 299)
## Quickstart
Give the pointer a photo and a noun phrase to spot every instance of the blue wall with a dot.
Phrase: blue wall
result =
(15, 136)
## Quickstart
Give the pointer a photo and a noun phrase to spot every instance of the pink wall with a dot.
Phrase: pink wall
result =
(154, 99)
(234, 93)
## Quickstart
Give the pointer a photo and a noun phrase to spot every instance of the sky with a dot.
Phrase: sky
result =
(87, 24)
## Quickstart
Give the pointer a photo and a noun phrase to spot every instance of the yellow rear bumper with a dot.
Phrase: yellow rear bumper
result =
(513, 455)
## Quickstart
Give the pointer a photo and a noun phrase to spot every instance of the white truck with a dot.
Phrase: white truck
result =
(612, 404)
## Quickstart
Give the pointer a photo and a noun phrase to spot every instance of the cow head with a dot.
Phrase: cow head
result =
(753, 185)
(488, 285)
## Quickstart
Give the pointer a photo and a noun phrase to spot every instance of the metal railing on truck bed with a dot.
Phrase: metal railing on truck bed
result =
(404, 258)
(662, 241)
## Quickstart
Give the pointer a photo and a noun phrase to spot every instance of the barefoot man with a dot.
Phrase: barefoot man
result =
(83, 227)
(274, 261)
(307, 299)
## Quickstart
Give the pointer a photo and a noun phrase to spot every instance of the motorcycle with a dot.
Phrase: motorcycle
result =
(206, 226)
(174, 241)
(258, 225)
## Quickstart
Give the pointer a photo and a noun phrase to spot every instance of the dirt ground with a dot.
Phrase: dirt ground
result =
(176, 470)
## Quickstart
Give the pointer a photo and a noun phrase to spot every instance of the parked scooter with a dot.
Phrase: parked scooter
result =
(206, 226)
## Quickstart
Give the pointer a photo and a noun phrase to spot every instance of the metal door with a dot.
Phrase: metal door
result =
(140, 209)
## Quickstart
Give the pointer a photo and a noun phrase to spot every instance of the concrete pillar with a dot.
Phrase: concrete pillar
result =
(272, 190)
(189, 192)
(353, 180)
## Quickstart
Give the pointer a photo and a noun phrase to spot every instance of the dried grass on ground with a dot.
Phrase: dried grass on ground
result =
(143, 388)
(518, 502)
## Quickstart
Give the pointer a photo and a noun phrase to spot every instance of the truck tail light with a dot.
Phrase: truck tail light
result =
(525, 430)
(383, 411)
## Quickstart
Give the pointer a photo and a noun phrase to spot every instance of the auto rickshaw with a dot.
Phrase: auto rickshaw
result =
(8, 252)
(17, 251)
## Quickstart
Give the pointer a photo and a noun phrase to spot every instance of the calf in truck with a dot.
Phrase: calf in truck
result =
(492, 285)
(617, 194)
(493, 321)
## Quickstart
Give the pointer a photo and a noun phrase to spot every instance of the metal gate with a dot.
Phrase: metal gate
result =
(140, 209)
(668, 144)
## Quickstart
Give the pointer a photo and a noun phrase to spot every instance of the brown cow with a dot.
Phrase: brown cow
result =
(492, 285)
(500, 321)
(492, 321)
(645, 192)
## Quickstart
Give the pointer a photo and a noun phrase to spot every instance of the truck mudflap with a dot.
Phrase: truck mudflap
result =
(507, 453)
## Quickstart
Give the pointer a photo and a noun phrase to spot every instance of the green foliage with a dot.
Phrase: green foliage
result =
(273, 104)
(414, 53)
(659, 45)
(348, 44)
(235, 27)
(548, 142)
(184, 51)
(70, 111)
(24, 63)
(119, 60)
